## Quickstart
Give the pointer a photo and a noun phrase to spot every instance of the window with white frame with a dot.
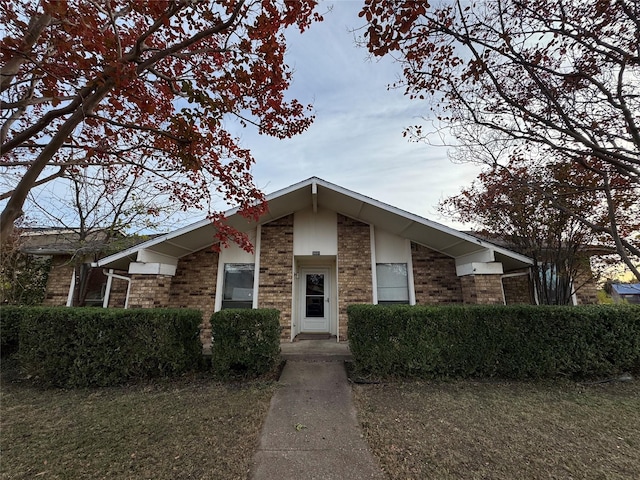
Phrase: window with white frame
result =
(238, 285)
(393, 283)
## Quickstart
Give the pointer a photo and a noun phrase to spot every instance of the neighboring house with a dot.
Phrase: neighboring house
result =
(319, 249)
(62, 246)
(625, 292)
(65, 250)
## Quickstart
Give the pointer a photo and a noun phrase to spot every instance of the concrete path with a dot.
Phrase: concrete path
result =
(311, 430)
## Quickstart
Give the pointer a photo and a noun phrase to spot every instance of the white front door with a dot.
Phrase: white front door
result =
(315, 308)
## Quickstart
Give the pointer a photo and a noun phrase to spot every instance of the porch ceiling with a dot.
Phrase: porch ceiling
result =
(316, 192)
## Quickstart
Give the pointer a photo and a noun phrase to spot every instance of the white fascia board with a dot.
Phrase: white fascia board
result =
(421, 220)
(147, 256)
(202, 223)
(479, 268)
(482, 256)
(152, 269)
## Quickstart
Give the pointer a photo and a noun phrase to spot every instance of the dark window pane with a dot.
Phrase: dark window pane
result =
(315, 284)
(315, 306)
(238, 285)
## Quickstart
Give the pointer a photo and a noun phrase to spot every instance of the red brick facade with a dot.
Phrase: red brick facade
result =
(354, 268)
(434, 277)
(276, 270)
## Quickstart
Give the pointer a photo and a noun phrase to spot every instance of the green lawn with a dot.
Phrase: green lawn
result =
(187, 428)
(500, 430)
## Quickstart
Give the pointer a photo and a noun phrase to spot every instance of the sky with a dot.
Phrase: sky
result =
(356, 140)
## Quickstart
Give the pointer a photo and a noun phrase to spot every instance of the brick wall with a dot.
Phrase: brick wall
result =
(149, 291)
(194, 286)
(354, 268)
(434, 277)
(276, 269)
(58, 282)
(587, 293)
(518, 290)
(118, 294)
(482, 289)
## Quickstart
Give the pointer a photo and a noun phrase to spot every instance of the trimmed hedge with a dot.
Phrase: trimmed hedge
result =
(245, 343)
(10, 319)
(81, 347)
(516, 342)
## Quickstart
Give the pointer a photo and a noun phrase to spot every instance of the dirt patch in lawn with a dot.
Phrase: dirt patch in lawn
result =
(502, 430)
(192, 427)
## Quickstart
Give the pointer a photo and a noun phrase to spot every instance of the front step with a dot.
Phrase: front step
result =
(313, 336)
(326, 350)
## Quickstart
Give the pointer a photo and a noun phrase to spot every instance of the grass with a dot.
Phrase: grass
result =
(191, 427)
(501, 430)
(194, 427)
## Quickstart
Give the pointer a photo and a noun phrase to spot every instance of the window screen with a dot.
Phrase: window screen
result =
(238, 285)
(393, 283)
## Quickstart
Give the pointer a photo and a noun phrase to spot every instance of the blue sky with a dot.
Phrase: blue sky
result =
(357, 138)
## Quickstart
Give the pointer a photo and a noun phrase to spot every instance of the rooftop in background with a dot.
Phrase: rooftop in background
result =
(626, 288)
(66, 241)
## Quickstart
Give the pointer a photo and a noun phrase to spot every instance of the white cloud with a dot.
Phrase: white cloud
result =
(357, 138)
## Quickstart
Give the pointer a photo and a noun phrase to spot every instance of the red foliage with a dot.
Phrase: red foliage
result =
(150, 84)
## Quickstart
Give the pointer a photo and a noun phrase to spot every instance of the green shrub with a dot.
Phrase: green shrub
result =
(80, 347)
(517, 342)
(245, 343)
(10, 319)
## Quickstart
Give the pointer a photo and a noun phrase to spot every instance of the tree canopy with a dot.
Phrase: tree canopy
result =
(557, 80)
(150, 86)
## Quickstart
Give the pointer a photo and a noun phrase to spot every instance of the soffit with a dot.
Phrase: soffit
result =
(315, 191)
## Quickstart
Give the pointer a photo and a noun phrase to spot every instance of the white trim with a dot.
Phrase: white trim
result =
(256, 266)
(327, 300)
(72, 287)
(110, 275)
(316, 182)
(152, 269)
(410, 281)
(374, 273)
(518, 274)
(504, 297)
(220, 284)
(479, 268)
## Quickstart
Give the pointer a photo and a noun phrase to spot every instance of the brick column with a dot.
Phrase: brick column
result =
(354, 268)
(149, 291)
(194, 286)
(276, 270)
(482, 289)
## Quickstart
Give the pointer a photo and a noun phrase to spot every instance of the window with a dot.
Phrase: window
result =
(238, 285)
(393, 283)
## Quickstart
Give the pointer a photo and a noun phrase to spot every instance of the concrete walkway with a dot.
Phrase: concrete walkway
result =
(311, 430)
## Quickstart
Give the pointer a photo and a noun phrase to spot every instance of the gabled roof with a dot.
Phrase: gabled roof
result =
(315, 192)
